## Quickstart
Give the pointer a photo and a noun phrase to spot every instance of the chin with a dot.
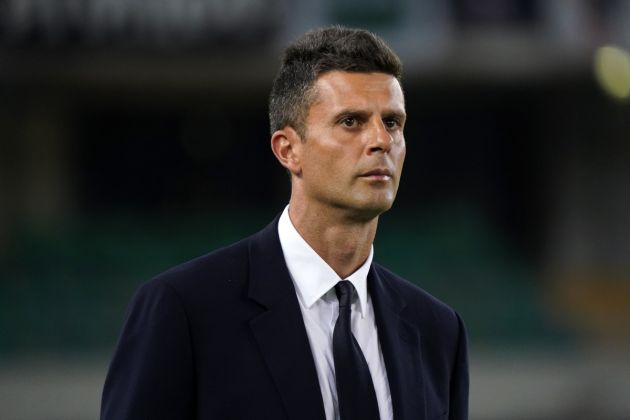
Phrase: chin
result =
(381, 203)
(368, 211)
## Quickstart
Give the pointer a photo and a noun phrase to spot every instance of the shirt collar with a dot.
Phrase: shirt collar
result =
(312, 276)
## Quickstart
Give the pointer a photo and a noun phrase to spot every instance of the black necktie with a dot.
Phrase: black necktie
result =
(355, 390)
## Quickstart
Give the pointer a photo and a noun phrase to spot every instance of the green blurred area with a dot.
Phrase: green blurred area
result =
(66, 290)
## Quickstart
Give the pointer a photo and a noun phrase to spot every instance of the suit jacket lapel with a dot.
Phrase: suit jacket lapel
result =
(400, 343)
(279, 330)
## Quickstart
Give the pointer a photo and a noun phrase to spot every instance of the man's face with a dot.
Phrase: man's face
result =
(354, 149)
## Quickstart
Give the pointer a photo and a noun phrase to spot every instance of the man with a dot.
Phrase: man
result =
(296, 322)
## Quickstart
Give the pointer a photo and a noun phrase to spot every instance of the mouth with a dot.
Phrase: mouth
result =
(379, 174)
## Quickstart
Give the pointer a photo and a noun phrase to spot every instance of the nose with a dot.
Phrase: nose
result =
(380, 138)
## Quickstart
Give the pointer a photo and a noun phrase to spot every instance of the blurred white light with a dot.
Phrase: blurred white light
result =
(612, 70)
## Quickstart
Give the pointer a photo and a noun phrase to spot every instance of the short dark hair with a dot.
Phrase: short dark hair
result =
(317, 52)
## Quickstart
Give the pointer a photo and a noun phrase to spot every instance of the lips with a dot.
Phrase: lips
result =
(379, 173)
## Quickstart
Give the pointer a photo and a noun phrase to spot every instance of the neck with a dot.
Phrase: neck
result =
(340, 240)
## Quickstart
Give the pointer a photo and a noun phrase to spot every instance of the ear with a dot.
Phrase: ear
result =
(286, 144)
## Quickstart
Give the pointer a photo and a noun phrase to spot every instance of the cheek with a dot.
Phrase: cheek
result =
(320, 166)
(400, 157)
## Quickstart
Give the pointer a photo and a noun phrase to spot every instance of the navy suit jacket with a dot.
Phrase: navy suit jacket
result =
(222, 337)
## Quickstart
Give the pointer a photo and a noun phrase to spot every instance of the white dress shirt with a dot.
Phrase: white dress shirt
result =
(314, 282)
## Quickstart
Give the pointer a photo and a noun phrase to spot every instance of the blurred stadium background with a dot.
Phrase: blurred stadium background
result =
(134, 136)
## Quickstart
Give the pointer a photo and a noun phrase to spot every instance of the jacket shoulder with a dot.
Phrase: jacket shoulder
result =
(410, 290)
(229, 264)
(444, 335)
(421, 305)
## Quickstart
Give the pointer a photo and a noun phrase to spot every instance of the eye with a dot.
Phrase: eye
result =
(349, 122)
(391, 123)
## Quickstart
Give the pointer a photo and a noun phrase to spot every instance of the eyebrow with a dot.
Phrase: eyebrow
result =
(349, 112)
(401, 116)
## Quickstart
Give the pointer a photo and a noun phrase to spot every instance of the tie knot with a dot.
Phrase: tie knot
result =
(344, 289)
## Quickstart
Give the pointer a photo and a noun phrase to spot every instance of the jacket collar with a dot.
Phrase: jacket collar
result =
(400, 342)
(279, 329)
(281, 336)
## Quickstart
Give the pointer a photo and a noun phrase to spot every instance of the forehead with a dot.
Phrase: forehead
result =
(350, 89)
